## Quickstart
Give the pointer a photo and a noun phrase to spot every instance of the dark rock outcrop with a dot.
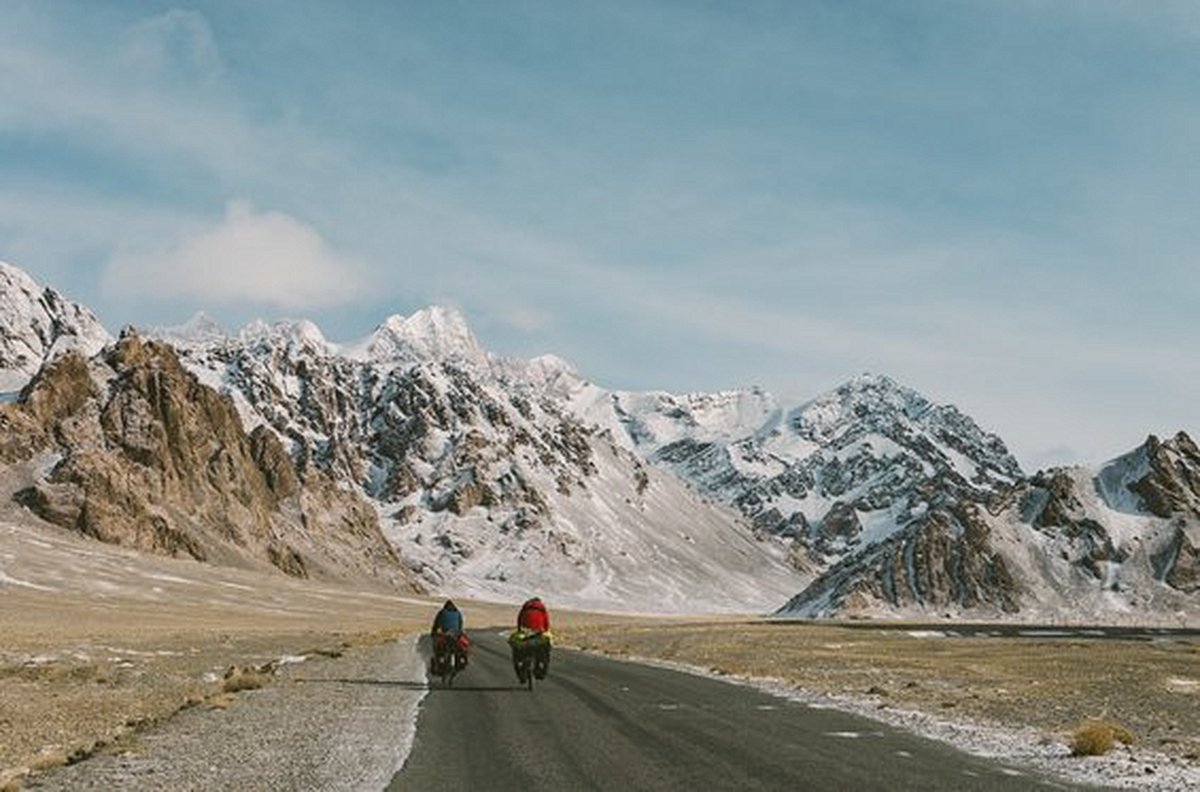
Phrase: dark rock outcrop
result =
(1183, 568)
(1172, 486)
(944, 560)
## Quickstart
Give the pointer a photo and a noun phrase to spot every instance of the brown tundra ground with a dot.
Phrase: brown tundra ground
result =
(101, 643)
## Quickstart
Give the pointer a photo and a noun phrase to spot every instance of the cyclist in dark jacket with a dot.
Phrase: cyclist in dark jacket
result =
(449, 638)
(448, 620)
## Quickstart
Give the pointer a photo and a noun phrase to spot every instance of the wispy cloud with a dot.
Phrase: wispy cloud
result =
(525, 320)
(176, 44)
(266, 258)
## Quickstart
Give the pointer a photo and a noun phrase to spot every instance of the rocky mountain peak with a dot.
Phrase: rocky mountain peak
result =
(552, 374)
(147, 456)
(868, 463)
(1118, 541)
(872, 397)
(300, 333)
(1171, 484)
(434, 333)
(200, 330)
(38, 323)
(296, 336)
(16, 280)
(552, 366)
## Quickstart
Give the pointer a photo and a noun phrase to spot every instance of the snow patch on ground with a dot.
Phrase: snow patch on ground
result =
(7, 580)
(877, 526)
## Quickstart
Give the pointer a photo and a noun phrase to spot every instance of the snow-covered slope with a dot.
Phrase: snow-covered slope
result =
(36, 324)
(900, 506)
(483, 479)
(644, 542)
(835, 474)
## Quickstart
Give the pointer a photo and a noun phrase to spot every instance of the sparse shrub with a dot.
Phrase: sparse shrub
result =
(1097, 737)
(48, 758)
(221, 701)
(239, 679)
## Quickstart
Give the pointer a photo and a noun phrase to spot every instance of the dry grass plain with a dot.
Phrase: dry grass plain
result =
(1052, 685)
(99, 643)
(77, 675)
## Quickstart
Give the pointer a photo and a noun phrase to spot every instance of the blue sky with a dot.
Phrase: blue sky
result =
(995, 203)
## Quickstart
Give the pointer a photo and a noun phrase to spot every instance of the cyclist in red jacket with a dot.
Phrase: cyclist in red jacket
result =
(532, 635)
(534, 616)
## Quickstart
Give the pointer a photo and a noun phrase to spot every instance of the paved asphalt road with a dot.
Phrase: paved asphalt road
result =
(603, 724)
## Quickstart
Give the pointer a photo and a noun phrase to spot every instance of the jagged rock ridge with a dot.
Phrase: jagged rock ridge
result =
(1114, 543)
(483, 479)
(834, 474)
(136, 451)
(897, 505)
(36, 324)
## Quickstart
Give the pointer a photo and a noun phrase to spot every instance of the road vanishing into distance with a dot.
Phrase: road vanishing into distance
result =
(596, 723)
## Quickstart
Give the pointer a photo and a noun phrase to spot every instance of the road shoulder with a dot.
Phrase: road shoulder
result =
(342, 723)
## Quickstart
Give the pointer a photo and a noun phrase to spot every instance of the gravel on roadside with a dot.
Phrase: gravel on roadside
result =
(343, 723)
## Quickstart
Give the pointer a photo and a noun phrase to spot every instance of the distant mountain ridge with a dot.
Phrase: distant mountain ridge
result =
(833, 473)
(483, 482)
(495, 476)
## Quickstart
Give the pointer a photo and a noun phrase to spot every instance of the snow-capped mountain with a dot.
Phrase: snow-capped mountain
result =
(834, 474)
(898, 505)
(502, 477)
(38, 323)
(434, 333)
(1117, 542)
(200, 329)
(131, 449)
(486, 482)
